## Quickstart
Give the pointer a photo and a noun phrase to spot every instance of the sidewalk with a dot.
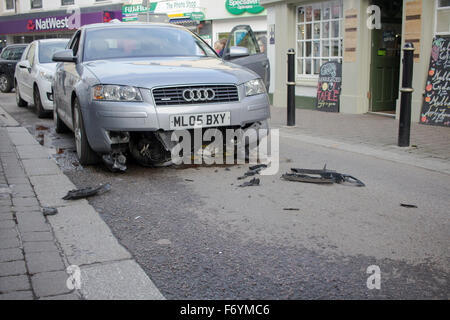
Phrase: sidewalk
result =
(369, 134)
(35, 250)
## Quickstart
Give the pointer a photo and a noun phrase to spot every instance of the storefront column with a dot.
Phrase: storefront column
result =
(423, 48)
(284, 39)
(356, 58)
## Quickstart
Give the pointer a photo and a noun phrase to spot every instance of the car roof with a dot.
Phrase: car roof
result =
(16, 45)
(53, 40)
(129, 25)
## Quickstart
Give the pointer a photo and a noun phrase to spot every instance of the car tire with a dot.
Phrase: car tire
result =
(5, 84)
(85, 153)
(41, 113)
(60, 126)
(19, 101)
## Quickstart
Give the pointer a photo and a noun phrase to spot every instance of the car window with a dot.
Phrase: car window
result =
(75, 44)
(30, 54)
(14, 53)
(46, 50)
(5, 54)
(149, 41)
(243, 38)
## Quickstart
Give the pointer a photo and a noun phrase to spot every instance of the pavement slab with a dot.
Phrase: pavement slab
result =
(50, 283)
(122, 280)
(80, 230)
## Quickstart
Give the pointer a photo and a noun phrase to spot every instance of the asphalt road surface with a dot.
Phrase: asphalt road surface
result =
(199, 236)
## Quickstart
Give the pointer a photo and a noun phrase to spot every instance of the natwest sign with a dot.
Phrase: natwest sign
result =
(65, 21)
(51, 23)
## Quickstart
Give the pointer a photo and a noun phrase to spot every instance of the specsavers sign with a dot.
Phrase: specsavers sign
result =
(237, 7)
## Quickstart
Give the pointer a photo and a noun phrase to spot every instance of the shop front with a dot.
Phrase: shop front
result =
(365, 41)
(24, 28)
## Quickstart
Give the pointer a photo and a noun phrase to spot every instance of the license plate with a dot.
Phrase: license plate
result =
(200, 120)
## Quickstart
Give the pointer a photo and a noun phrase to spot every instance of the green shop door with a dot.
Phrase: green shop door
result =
(386, 57)
(384, 70)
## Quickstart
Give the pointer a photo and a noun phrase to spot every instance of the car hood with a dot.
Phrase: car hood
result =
(148, 73)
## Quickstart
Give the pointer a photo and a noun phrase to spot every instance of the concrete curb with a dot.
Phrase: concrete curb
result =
(108, 270)
(409, 159)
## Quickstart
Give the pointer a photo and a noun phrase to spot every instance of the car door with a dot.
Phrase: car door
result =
(26, 79)
(243, 36)
(67, 75)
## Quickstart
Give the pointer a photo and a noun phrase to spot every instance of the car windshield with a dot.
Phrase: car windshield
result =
(46, 50)
(135, 42)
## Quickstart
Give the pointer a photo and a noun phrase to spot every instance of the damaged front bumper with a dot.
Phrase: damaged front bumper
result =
(112, 124)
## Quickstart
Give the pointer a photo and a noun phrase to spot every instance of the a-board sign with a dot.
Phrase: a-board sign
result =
(436, 102)
(329, 87)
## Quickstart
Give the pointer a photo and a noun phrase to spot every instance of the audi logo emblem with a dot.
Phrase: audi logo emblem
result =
(198, 95)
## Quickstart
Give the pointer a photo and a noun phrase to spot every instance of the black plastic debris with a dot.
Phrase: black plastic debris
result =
(258, 166)
(48, 211)
(323, 176)
(115, 162)
(405, 205)
(87, 192)
(251, 183)
(253, 170)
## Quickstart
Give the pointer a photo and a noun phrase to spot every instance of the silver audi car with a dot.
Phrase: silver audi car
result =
(123, 88)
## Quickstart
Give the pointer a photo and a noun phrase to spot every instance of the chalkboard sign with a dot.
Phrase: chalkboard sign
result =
(329, 87)
(436, 103)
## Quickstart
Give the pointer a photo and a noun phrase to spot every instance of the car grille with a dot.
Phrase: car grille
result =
(174, 95)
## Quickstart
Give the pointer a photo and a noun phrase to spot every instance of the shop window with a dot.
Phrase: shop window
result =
(443, 17)
(36, 4)
(319, 29)
(67, 2)
(9, 4)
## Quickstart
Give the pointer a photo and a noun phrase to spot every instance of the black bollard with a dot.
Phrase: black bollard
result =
(291, 88)
(404, 129)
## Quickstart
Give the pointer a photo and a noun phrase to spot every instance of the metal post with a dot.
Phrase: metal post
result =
(406, 98)
(291, 88)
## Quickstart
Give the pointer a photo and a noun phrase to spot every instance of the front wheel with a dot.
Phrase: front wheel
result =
(85, 154)
(5, 84)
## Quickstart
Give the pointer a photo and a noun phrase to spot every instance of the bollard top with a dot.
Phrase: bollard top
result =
(409, 46)
(291, 51)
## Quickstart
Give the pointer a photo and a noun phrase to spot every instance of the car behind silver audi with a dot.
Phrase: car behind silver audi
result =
(34, 75)
(125, 87)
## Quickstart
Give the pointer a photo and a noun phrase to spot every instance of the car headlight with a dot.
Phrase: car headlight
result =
(116, 93)
(46, 75)
(253, 87)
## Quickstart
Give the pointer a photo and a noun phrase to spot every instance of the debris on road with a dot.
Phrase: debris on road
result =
(188, 180)
(48, 211)
(87, 192)
(408, 205)
(291, 209)
(258, 166)
(41, 127)
(323, 176)
(115, 162)
(253, 170)
(253, 182)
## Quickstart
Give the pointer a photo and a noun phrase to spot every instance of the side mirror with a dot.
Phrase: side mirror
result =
(64, 56)
(237, 52)
(24, 64)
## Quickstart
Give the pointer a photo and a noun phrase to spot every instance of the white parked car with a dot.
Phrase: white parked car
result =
(34, 75)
